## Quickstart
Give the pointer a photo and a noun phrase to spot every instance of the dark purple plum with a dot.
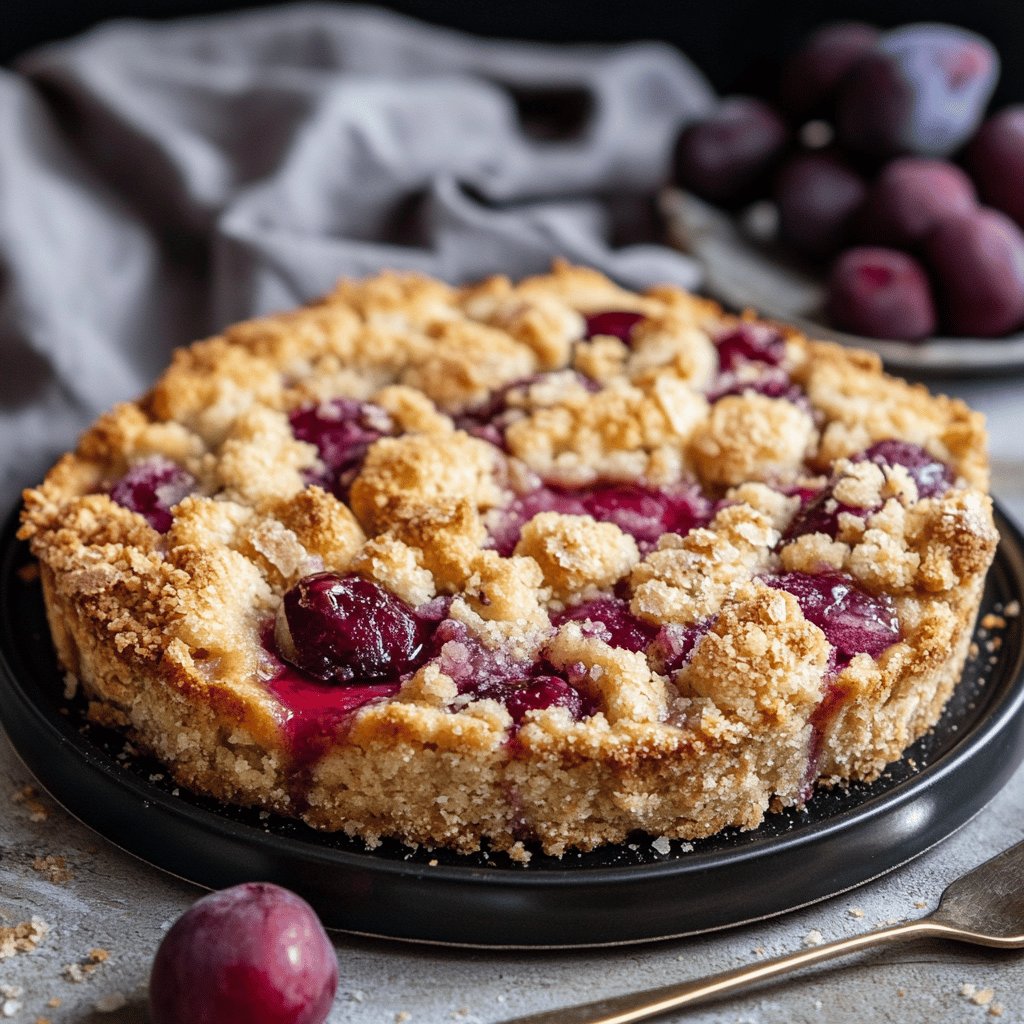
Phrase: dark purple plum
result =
(909, 197)
(922, 90)
(152, 487)
(932, 476)
(643, 512)
(821, 515)
(610, 620)
(346, 629)
(674, 645)
(995, 158)
(729, 157)
(881, 293)
(342, 430)
(543, 692)
(977, 259)
(772, 383)
(853, 621)
(523, 508)
(252, 954)
(619, 323)
(817, 196)
(811, 76)
(749, 343)
(475, 668)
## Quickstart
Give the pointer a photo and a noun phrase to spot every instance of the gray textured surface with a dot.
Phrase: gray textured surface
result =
(116, 903)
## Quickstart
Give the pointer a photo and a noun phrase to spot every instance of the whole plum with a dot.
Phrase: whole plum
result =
(811, 76)
(729, 157)
(996, 159)
(251, 954)
(977, 259)
(881, 293)
(922, 90)
(817, 196)
(910, 196)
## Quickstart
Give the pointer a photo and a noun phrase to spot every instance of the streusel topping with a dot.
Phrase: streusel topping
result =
(553, 523)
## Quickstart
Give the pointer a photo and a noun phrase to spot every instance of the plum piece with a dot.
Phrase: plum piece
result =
(909, 197)
(818, 196)
(610, 620)
(995, 158)
(728, 158)
(821, 515)
(749, 343)
(251, 954)
(543, 692)
(619, 323)
(921, 90)
(152, 487)
(643, 512)
(674, 644)
(881, 293)
(978, 262)
(853, 621)
(811, 76)
(342, 430)
(932, 476)
(346, 629)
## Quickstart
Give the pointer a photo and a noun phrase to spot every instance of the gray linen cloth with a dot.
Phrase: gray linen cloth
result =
(158, 181)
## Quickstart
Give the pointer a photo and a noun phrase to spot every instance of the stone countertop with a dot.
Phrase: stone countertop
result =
(105, 914)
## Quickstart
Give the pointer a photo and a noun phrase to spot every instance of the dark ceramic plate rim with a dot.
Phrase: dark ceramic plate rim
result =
(1000, 710)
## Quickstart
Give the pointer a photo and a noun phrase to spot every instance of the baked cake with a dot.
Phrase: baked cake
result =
(530, 565)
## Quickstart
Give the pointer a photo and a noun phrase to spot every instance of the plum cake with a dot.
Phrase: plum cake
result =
(534, 565)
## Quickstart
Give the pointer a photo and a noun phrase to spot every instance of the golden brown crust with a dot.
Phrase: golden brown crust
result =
(164, 630)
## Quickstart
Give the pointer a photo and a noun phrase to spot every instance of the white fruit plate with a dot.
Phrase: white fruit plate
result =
(742, 269)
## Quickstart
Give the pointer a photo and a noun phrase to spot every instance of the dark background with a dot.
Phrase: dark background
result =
(735, 42)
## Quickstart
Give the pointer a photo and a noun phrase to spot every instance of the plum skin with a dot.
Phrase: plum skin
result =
(909, 197)
(881, 293)
(818, 197)
(977, 259)
(995, 158)
(923, 89)
(728, 157)
(252, 954)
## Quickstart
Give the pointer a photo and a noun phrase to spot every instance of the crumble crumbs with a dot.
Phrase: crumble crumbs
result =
(855, 912)
(402, 1016)
(28, 797)
(1012, 610)
(79, 971)
(21, 938)
(813, 938)
(54, 868)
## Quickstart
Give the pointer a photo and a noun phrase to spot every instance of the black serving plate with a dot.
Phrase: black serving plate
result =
(631, 892)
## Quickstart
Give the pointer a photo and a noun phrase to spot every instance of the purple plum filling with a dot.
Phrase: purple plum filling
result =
(853, 621)
(749, 343)
(618, 323)
(821, 513)
(342, 430)
(646, 513)
(489, 420)
(152, 487)
(772, 383)
(346, 629)
(932, 476)
(674, 644)
(494, 674)
(609, 619)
